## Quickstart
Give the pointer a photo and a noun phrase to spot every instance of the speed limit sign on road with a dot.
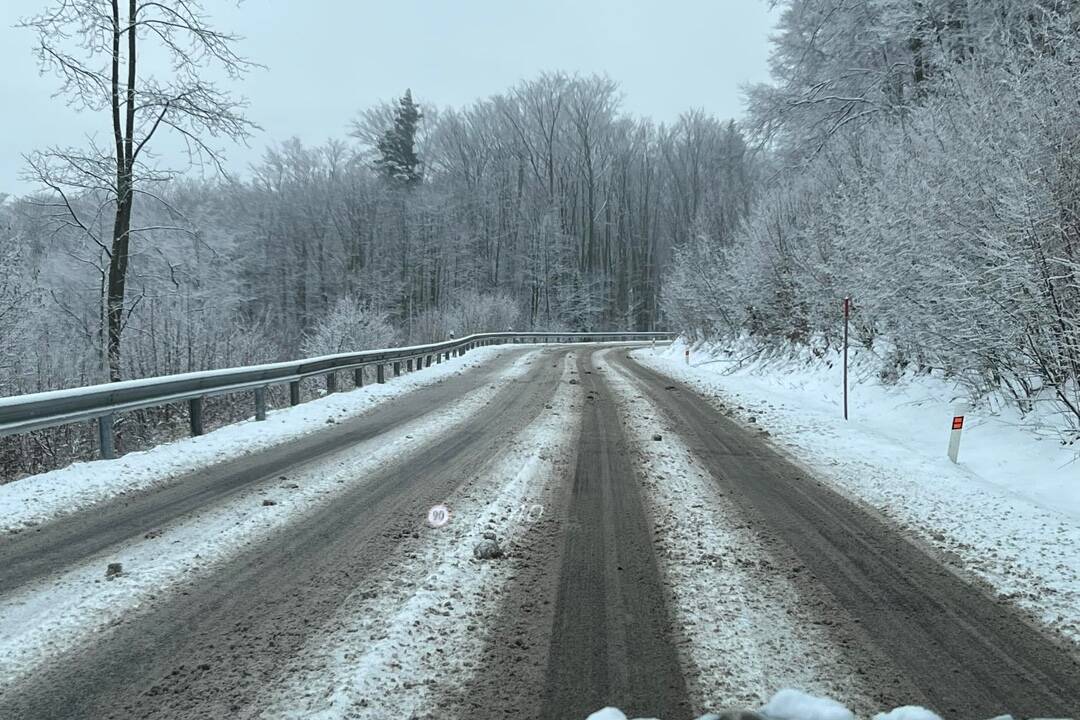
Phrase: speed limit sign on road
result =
(438, 516)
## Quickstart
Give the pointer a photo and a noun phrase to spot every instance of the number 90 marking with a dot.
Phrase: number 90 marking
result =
(438, 516)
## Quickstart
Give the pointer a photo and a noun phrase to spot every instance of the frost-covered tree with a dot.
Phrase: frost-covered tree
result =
(397, 160)
(925, 165)
(545, 206)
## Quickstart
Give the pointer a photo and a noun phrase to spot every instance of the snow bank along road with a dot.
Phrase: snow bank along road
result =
(658, 557)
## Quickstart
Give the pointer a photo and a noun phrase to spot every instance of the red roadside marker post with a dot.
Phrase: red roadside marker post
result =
(959, 411)
(847, 315)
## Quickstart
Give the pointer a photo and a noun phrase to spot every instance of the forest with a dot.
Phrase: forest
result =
(543, 207)
(918, 156)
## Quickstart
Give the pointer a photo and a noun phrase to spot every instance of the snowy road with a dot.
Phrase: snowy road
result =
(659, 557)
(33, 554)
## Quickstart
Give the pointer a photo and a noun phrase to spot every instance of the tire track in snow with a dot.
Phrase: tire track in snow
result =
(967, 653)
(54, 616)
(1024, 552)
(407, 647)
(745, 630)
(77, 494)
(610, 637)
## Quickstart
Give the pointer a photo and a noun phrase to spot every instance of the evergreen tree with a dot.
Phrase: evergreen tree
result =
(398, 162)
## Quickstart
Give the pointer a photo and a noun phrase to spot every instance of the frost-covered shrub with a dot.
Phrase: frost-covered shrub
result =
(350, 325)
(431, 325)
(473, 312)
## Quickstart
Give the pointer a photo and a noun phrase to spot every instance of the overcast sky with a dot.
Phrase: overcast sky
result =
(328, 59)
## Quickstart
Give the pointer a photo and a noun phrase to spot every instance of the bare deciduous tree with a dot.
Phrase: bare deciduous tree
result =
(95, 49)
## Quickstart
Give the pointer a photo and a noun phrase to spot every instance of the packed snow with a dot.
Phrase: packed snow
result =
(912, 712)
(33, 500)
(1008, 511)
(382, 656)
(791, 704)
(53, 615)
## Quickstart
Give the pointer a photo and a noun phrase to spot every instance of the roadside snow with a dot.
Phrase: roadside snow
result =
(1009, 512)
(395, 651)
(54, 615)
(742, 629)
(790, 704)
(910, 712)
(608, 713)
(33, 500)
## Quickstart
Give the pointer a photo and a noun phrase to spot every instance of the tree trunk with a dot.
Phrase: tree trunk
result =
(123, 137)
(118, 264)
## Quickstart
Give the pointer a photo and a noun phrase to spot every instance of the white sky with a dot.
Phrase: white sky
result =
(328, 59)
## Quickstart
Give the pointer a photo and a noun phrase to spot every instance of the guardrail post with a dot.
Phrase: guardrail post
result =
(294, 393)
(105, 437)
(408, 364)
(397, 368)
(428, 361)
(380, 373)
(438, 358)
(358, 377)
(260, 403)
(195, 415)
(331, 383)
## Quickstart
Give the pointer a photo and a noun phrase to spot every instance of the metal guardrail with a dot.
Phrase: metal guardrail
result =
(22, 413)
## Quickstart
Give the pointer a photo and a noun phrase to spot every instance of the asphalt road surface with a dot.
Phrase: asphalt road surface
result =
(584, 620)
